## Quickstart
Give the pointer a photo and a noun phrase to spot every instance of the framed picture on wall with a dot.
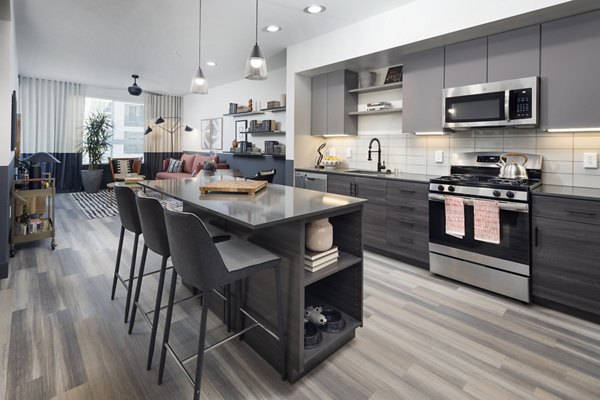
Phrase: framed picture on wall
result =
(394, 74)
(211, 132)
(241, 127)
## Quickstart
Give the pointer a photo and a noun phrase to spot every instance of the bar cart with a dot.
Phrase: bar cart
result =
(32, 211)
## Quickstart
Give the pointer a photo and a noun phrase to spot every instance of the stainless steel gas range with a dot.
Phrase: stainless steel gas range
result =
(502, 265)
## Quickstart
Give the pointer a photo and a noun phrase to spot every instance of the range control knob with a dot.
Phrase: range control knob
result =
(510, 194)
(441, 188)
(451, 188)
(496, 193)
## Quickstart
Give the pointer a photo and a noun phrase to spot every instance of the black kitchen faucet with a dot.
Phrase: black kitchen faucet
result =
(380, 166)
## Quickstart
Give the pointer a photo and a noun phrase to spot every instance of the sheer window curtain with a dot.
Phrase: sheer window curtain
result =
(157, 144)
(52, 121)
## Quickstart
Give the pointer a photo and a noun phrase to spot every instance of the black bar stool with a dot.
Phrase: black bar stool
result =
(130, 221)
(152, 220)
(208, 266)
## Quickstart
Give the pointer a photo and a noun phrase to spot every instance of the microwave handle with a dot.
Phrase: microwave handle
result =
(507, 105)
(468, 201)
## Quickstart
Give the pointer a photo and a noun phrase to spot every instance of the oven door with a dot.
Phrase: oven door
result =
(512, 254)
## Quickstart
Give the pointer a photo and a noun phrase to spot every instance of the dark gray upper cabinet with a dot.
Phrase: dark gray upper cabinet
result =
(331, 103)
(466, 63)
(422, 92)
(514, 54)
(319, 105)
(570, 62)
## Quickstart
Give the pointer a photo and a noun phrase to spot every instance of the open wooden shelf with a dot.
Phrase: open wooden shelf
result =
(376, 112)
(377, 88)
(265, 133)
(274, 109)
(345, 260)
(243, 113)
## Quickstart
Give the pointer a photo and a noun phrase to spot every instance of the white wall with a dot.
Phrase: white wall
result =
(120, 94)
(413, 22)
(8, 82)
(216, 103)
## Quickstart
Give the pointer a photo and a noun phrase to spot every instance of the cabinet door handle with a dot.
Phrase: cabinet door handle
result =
(536, 234)
(406, 207)
(351, 189)
(579, 211)
(309, 179)
(404, 239)
(406, 223)
(356, 189)
(407, 191)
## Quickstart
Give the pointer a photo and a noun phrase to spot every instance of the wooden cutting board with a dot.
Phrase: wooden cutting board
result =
(238, 186)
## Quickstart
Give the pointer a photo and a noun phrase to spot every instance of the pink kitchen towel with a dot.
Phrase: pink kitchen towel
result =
(486, 216)
(455, 216)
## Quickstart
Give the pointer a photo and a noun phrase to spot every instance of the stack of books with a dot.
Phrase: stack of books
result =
(314, 261)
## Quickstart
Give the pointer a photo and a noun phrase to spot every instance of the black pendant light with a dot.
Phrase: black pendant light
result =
(256, 65)
(199, 83)
(134, 89)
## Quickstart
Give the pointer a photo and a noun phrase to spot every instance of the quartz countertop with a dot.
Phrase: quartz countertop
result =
(400, 176)
(276, 204)
(568, 191)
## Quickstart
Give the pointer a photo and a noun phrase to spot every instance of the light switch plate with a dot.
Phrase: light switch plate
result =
(349, 152)
(590, 160)
(439, 156)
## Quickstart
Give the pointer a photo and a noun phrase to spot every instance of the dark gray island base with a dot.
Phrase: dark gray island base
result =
(275, 219)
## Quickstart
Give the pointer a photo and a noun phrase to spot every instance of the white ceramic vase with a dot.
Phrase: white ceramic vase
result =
(319, 235)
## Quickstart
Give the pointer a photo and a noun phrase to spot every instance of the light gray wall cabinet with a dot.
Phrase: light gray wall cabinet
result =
(422, 93)
(514, 54)
(331, 103)
(570, 65)
(466, 63)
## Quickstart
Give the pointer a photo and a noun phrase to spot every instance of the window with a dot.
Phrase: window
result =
(128, 121)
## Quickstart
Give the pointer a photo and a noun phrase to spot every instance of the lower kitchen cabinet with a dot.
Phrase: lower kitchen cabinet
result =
(374, 214)
(407, 230)
(565, 266)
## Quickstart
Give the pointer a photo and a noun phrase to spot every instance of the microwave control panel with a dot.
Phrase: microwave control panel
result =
(520, 101)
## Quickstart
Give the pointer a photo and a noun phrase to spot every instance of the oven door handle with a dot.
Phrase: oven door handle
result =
(504, 205)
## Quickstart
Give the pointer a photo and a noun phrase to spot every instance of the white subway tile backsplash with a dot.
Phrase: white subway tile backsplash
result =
(416, 169)
(488, 142)
(557, 179)
(416, 160)
(438, 170)
(555, 142)
(520, 142)
(592, 181)
(579, 170)
(556, 154)
(462, 142)
(557, 167)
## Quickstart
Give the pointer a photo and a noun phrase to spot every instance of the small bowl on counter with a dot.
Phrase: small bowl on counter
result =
(331, 164)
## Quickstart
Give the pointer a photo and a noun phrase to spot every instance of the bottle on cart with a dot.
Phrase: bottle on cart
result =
(24, 218)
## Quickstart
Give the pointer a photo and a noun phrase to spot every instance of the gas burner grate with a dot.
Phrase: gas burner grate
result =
(455, 178)
(512, 182)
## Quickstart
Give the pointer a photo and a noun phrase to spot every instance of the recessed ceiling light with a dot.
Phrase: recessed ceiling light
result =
(211, 63)
(272, 28)
(314, 9)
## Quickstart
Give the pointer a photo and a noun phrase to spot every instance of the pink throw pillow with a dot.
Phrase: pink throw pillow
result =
(188, 162)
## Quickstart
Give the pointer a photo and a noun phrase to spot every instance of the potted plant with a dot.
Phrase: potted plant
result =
(96, 140)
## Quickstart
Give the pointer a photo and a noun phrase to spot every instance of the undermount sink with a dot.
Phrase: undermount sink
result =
(363, 171)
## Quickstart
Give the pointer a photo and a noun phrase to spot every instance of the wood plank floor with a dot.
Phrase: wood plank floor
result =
(61, 337)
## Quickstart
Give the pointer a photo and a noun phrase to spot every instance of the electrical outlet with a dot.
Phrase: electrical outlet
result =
(349, 152)
(590, 160)
(439, 156)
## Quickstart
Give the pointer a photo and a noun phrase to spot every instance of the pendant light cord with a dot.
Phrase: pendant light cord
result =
(199, 29)
(256, 25)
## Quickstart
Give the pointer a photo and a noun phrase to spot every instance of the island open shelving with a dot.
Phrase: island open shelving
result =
(377, 88)
(376, 112)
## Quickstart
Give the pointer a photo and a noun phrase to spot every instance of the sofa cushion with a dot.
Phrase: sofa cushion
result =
(172, 175)
(165, 164)
(188, 162)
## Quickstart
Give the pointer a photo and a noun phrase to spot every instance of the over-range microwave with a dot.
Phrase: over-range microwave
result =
(512, 103)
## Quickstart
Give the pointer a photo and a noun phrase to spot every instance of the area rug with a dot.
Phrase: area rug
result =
(97, 205)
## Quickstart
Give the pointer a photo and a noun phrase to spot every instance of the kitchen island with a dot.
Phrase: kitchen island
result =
(275, 218)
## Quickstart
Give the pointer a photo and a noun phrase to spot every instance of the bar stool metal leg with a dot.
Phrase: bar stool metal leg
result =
(163, 352)
(201, 344)
(118, 263)
(161, 282)
(281, 323)
(138, 288)
(131, 275)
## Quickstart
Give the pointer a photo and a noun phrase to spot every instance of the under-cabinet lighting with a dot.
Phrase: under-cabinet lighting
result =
(574, 130)
(335, 135)
(430, 133)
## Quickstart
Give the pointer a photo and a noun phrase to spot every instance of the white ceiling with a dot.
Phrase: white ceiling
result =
(102, 42)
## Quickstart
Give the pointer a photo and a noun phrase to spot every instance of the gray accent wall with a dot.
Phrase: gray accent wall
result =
(5, 188)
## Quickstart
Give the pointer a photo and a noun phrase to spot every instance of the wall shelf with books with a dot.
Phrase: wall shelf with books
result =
(241, 114)
(344, 260)
(274, 109)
